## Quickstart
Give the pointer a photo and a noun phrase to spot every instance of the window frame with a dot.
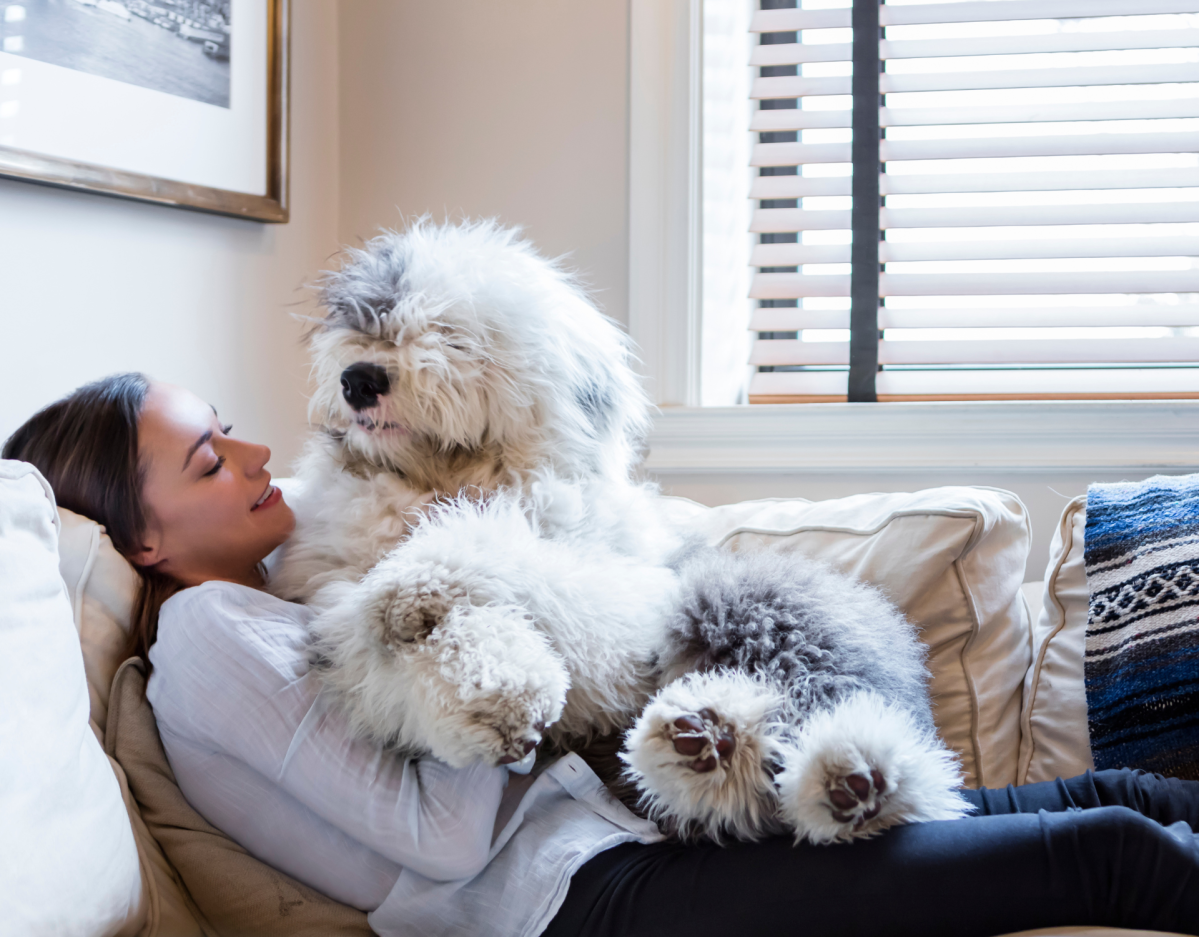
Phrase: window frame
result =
(665, 303)
(665, 224)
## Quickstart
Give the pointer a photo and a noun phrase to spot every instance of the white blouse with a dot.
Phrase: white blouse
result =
(261, 753)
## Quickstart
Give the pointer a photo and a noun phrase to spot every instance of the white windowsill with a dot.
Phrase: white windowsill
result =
(1136, 435)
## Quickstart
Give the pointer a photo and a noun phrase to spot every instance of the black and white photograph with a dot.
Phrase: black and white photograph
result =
(143, 99)
(179, 47)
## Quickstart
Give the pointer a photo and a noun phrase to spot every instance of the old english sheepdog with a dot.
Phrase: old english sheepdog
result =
(487, 574)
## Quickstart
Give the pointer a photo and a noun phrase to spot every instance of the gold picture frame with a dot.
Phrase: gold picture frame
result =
(271, 207)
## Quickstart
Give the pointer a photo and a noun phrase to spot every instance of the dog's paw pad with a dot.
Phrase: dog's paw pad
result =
(515, 746)
(703, 737)
(856, 798)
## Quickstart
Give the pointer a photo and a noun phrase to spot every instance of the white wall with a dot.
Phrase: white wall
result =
(92, 285)
(517, 110)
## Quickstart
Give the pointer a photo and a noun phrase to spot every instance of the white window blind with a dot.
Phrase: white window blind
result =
(1038, 227)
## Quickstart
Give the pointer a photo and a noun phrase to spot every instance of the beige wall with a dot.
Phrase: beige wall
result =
(517, 110)
(92, 285)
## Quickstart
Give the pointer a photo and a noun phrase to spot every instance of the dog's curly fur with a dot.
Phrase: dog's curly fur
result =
(487, 575)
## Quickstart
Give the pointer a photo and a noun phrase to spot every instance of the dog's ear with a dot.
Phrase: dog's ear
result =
(611, 402)
(364, 292)
(594, 398)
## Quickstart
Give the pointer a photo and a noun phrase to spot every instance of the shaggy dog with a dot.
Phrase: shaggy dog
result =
(487, 575)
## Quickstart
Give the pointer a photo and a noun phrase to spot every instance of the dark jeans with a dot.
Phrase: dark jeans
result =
(1090, 850)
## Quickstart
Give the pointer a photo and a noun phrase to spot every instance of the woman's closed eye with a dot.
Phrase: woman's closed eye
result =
(225, 431)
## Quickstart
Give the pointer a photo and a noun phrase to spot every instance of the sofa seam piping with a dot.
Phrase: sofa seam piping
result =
(975, 741)
(965, 514)
(93, 550)
(1038, 665)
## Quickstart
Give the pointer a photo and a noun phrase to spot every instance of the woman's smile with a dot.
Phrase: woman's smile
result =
(270, 498)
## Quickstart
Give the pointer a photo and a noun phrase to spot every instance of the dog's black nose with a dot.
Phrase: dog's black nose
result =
(363, 384)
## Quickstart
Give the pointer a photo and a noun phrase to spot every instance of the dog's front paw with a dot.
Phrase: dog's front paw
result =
(491, 685)
(408, 603)
(862, 767)
(481, 684)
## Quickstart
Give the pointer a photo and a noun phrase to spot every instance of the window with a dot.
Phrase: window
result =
(994, 200)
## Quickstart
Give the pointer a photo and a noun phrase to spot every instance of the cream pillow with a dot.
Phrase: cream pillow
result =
(953, 560)
(103, 587)
(1056, 741)
(68, 862)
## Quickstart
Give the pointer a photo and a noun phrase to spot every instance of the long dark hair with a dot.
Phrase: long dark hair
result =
(86, 447)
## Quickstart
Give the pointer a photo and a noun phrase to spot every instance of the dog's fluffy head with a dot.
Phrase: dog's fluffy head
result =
(494, 362)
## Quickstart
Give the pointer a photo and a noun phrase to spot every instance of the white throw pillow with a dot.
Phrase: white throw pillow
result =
(68, 862)
(1056, 741)
(953, 560)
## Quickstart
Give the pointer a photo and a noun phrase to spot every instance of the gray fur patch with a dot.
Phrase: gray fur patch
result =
(365, 290)
(596, 402)
(819, 636)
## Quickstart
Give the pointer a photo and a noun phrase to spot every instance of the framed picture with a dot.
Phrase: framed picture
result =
(180, 102)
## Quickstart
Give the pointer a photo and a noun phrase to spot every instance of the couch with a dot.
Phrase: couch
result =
(100, 840)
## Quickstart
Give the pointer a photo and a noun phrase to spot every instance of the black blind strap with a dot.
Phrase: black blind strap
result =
(863, 291)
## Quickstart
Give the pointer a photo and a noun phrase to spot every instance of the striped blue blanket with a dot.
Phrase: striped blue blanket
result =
(1142, 645)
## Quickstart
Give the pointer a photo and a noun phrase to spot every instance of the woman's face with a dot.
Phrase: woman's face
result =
(212, 512)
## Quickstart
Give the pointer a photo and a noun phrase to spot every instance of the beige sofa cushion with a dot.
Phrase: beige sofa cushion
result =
(103, 587)
(953, 560)
(1055, 739)
(226, 890)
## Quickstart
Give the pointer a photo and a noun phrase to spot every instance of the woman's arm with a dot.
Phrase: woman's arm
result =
(232, 673)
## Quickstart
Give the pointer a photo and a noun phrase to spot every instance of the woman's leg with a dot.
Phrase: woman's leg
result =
(1166, 800)
(960, 878)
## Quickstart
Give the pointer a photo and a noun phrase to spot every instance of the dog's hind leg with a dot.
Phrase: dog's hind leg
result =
(702, 754)
(862, 766)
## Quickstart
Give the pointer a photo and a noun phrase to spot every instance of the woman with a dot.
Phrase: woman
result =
(432, 850)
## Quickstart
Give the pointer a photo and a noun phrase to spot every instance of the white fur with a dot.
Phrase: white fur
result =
(344, 525)
(485, 572)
